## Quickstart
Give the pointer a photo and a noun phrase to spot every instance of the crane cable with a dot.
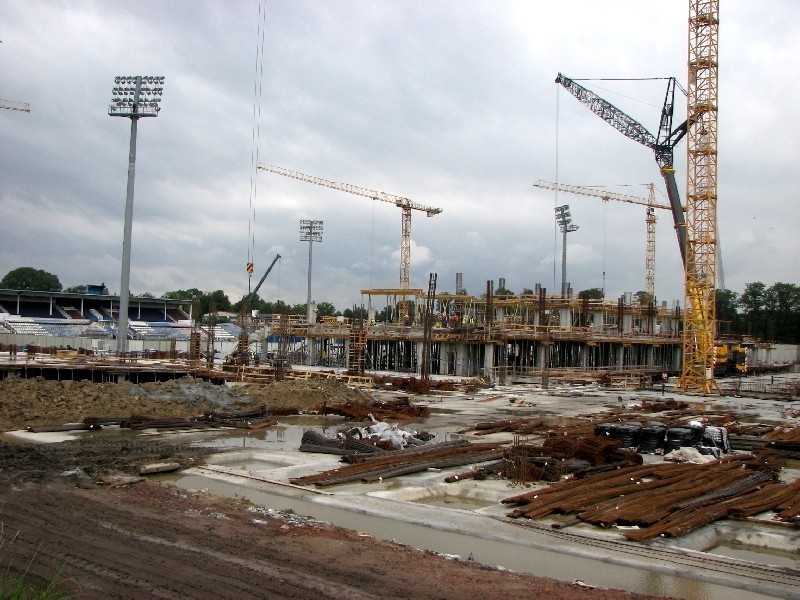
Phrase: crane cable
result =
(256, 137)
(555, 192)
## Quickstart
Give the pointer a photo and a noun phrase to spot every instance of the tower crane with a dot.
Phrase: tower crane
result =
(650, 218)
(662, 144)
(405, 205)
(697, 373)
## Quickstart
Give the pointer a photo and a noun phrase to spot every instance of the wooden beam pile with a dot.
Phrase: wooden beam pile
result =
(667, 499)
(401, 409)
(370, 468)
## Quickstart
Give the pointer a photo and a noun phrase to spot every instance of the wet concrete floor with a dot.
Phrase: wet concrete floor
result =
(467, 519)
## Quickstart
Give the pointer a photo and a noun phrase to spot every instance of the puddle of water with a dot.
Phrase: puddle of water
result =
(513, 556)
(452, 502)
(278, 437)
(244, 464)
(768, 556)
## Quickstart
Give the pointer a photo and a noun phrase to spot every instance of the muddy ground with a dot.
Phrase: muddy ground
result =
(67, 512)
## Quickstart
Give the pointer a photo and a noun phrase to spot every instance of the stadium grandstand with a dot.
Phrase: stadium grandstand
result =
(71, 315)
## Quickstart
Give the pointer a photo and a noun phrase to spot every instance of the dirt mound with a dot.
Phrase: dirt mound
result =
(38, 402)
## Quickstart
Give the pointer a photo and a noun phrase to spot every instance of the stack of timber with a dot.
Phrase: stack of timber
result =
(370, 468)
(401, 409)
(254, 419)
(668, 499)
(313, 441)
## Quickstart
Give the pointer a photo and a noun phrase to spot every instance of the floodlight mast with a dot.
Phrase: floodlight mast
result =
(133, 103)
(310, 231)
(564, 220)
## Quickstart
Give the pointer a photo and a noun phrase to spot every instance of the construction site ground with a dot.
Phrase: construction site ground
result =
(230, 523)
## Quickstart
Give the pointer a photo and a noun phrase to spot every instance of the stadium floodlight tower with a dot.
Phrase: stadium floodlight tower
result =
(310, 231)
(134, 97)
(564, 220)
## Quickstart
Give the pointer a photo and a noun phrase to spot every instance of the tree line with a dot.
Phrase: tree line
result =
(765, 313)
(28, 278)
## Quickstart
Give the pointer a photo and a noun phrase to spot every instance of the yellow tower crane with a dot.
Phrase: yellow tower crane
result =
(405, 205)
(697, 373)
(650, 219)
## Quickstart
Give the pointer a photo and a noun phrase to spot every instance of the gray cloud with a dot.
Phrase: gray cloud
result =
(450, 103)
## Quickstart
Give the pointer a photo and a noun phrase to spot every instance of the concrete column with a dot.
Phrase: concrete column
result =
(565, 317)
(627, 322)
(620, 351)
(488, 361)
(597, 320)
(541, 355)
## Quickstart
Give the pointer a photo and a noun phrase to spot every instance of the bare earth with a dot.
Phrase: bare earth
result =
(63, 513)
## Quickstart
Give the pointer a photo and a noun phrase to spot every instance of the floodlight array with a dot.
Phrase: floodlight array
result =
(564, 218)
(310, 231)
(136, 96)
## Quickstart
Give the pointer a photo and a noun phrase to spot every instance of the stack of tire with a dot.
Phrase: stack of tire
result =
(678, 437)
(651, 437)
(627, 434)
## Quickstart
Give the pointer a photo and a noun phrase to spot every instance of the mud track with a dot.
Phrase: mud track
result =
(63, 516)
(154, 541)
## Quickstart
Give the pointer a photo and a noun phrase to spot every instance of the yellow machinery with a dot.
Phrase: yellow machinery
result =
(729, 359)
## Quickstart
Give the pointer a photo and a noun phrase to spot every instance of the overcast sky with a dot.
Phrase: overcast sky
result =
(449, 103)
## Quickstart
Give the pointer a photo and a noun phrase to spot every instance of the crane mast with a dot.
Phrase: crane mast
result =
(405, 205)
(650, 218)
(701, 199)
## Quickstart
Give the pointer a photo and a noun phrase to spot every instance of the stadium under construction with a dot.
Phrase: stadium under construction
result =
(497, 337)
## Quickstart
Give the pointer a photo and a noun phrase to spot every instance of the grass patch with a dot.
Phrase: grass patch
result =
(15, 586)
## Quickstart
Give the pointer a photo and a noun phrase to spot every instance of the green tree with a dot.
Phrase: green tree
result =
(76, 289)
(221, 300)
(28, 278)
(752, 304)
(782, 311)
(727, 314)
(326, 309)
(643, 298)
(359, 313)
(591, 294)
(183, 294)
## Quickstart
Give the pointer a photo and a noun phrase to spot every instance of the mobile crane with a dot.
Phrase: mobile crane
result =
(242, 350)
